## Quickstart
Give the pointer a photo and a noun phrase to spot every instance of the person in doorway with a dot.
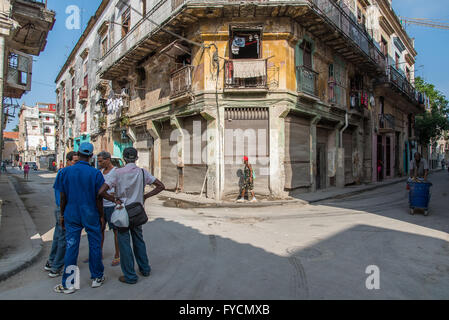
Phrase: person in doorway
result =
(81, 208)
(55, 261)
(26, 171)
(104, 162)
(248, 181)
(380, 165)
(20, 165)
(129, 185)
(419, 168)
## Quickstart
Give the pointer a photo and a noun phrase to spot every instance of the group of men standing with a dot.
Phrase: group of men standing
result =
(86, 199)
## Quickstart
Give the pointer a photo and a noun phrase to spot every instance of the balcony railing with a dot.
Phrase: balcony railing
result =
(339, 16)
(399, 81)
(387, 122)
(246, 73)
(336, 94)
(307, 80)
(83, 93)
(181, 81)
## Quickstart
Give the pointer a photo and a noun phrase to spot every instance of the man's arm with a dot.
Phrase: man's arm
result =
(103, 193)
(159, 188)
(63, 203)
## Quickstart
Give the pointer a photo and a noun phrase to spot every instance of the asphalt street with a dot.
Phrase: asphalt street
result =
(320, 251)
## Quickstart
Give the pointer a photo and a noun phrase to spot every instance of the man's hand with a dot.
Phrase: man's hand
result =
(118, 202)
(61, 222)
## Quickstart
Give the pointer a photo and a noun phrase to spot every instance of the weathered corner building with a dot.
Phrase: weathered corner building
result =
(306, 89)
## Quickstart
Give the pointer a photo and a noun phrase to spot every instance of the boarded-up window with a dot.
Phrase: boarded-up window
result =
(306, 47)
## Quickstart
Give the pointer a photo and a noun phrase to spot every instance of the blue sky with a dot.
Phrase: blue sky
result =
(431, 44)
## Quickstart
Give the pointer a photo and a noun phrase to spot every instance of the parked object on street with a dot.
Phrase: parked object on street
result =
(419, 195)
(33, 165)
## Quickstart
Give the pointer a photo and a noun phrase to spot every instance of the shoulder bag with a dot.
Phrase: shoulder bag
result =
(136, 211)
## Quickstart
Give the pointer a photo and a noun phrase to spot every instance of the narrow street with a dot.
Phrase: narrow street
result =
(316, 251)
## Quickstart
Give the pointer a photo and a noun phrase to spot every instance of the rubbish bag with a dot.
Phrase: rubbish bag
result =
(120, 217)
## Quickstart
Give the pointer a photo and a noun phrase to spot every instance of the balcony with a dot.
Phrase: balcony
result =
(245, 74)
(181, 81)
(386, 123)
(351, 40)
(336, 94)
(83, 94)
(307, 82)
(395, 78)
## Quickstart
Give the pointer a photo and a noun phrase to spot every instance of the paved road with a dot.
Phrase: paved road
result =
(318, 251)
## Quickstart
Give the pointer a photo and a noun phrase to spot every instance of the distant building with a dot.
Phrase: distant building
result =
(37, 133)
(11, 143)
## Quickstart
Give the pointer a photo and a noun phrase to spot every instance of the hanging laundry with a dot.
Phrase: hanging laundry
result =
(238, 42)
(235, 50)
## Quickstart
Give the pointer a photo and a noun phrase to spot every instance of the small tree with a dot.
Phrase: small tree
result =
(430, 126)
(16, 129)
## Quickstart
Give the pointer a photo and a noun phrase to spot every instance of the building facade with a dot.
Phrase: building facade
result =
(306, 89)
(37, 134)
(11, 150)
(24, 27)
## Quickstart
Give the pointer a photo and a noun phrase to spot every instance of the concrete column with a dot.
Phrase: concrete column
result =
(176, 123)
(339, 158)
(358, 156)
(2, 74)
(277, 150)
(155, 131)
(212, 187)
(313, 164)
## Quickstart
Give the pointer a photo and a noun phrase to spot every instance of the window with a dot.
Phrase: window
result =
(104, 46)
(86, 81)
(126, 22)
(47, 130)
(306, 47)
(73, 90)
(47, 118)
(397, 60)
(245, 44)
(407, 73)
(384, 46)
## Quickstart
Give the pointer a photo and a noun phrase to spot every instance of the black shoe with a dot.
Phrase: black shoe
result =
(146, 274)
(122, 279)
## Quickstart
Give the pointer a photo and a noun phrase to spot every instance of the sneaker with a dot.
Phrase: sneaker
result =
(98, 282)
(241, 200)
(54, 274)
(254, 199)
(145, 274)
(61, 289)
(47, 266)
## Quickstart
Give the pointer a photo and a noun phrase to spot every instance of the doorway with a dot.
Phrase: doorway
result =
(321, 166)
(380, 156)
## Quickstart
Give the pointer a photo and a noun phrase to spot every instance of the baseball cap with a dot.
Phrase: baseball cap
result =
(245, 158)
(86, 149)
(130, 153)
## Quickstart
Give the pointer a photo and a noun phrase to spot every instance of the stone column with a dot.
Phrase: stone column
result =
(155, 132)
(176, 123)
(277, 150)
(211, 154)
(313, 164)
(339, 158)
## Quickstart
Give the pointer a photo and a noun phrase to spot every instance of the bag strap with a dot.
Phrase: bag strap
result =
(143, 185)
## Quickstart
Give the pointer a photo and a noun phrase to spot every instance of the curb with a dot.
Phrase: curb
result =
(31, 256)
(197, 204)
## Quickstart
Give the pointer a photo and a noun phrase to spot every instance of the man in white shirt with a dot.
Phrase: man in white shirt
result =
(104, 162)
(129, 188)
(419, 168)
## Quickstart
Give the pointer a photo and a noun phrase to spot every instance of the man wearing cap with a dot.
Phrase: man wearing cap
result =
(81, 208)
(129, 188)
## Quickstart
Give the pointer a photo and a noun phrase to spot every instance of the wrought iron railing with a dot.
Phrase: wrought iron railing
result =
(336, 94)
(307, 80)
(339, 16)
(401, 83)
(181, 81)
(246, 73)
(387, 121)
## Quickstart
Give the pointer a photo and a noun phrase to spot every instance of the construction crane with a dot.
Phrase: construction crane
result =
(430, 23)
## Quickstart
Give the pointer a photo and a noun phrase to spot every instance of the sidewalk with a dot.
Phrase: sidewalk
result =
(183, 200)
(20, 243)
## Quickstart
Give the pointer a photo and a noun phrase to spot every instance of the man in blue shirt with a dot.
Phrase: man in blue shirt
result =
(81, 208)
(56, 259)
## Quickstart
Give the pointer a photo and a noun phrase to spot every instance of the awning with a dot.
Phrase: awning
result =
(175, 49)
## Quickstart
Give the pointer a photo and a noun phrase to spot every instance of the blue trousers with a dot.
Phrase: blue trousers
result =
(56, 258)
(127, 256)
(76, 218)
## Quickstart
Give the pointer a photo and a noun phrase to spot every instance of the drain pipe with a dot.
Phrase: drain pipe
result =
(343, 129)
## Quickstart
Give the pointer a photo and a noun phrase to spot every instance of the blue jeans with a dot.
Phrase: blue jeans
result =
(108, 211)
(127, 256)
(77, 218)
(56, 258)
